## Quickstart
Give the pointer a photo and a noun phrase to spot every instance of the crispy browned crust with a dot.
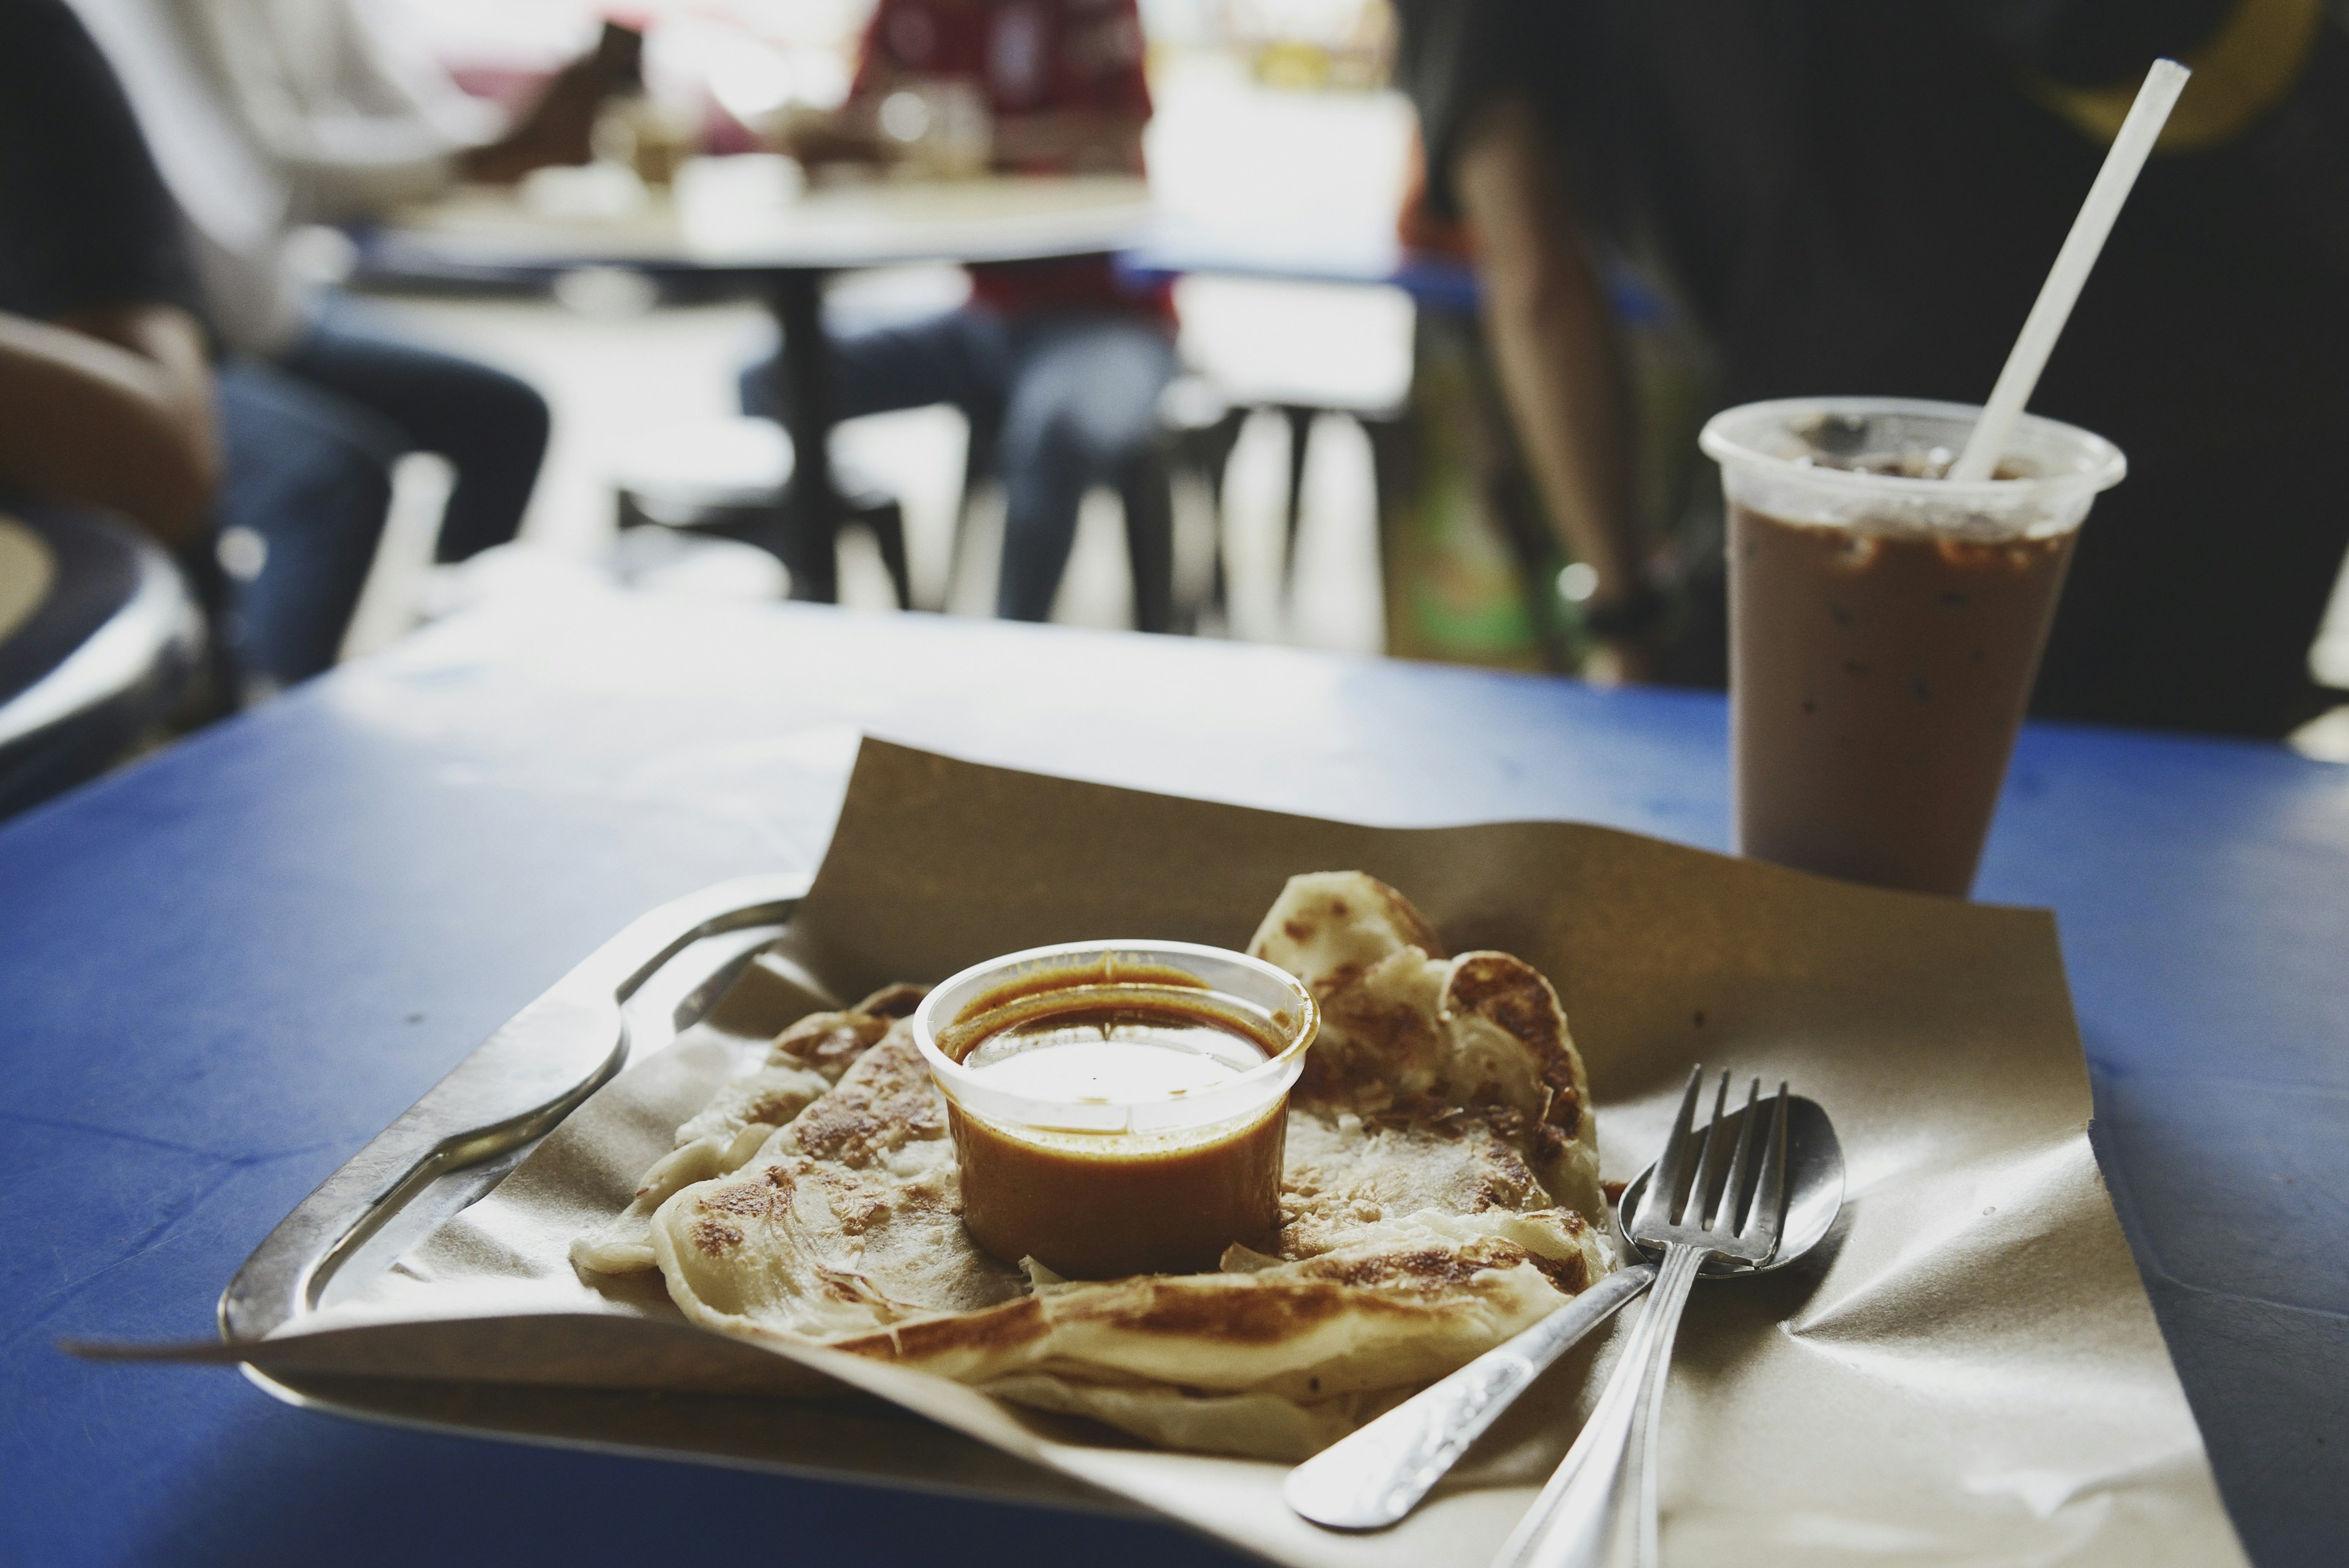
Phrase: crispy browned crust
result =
(888, 1103)
(806, 1058)
(830, 1042)
(896, 1001)
(1392, 1165)
(1227, 1310)
(1410, 1039)
(1514, 998)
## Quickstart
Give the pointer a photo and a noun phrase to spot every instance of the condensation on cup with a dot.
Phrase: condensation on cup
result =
(1886, 624)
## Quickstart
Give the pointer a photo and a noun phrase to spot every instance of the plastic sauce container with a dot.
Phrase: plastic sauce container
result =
(1119, 1107)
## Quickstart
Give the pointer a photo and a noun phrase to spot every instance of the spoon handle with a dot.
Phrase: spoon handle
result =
(1587, 1515)
(1378, 1475)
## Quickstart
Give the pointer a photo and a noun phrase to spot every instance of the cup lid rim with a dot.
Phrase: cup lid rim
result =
(2102, 467)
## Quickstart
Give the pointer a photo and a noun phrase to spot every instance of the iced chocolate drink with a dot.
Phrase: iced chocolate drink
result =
(1886, 625)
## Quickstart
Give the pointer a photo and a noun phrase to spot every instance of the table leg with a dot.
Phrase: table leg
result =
(811, 504)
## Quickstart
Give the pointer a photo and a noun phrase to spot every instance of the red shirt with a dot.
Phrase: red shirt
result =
(1027, 56)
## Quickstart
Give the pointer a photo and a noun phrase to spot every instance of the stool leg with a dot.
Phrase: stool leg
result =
(977, 462)
(1214, 446)
(887, 521)
(1149, 499)
(1301, 432)
(1393, 466)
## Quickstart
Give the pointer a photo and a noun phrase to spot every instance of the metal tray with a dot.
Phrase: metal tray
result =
(628, 998)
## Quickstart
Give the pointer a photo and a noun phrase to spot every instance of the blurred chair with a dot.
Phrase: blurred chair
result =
(1297, 350)
(727, 478)
(1147, 495)
(100, 638)
(1202, 419)
(1199, 424)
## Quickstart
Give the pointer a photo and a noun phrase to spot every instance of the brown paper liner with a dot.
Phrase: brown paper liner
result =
(1969, 1373)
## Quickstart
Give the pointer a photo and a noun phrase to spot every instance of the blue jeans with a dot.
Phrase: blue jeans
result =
(309, 443)
(1071, 395)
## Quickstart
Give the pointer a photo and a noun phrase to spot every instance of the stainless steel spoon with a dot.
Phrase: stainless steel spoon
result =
(1378, 1475)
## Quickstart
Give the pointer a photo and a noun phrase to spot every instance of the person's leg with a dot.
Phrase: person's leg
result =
(1080, 410)
(490, 426)
(306, 481)
(959, 358)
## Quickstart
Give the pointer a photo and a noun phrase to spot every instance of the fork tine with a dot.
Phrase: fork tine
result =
(1769, 1196)
(1734, 1187)
(1701, 1210)
(1673, 1167)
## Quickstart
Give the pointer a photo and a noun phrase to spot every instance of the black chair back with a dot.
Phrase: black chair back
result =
(103, 643)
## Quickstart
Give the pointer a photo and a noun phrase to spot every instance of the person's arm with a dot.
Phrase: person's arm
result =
(1552, 338)
(558, 127)
(113, 407)
(105, 391)
(374, 122)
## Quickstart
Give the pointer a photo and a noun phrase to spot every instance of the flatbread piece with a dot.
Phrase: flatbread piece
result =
(1440, 1193)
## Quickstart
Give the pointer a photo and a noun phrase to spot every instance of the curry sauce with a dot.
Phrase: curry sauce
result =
(1097, 1204)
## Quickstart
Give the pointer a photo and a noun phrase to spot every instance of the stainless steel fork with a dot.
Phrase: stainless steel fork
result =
(1693, 1210)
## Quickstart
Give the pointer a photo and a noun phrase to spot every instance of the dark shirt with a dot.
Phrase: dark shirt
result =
(1852, 196)
(85, 221)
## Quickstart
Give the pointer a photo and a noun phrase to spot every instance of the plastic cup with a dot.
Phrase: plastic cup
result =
(1886, 625)
(1119, 1107)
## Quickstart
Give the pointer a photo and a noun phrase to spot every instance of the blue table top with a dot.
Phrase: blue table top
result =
(226, 968)
(1433, 282)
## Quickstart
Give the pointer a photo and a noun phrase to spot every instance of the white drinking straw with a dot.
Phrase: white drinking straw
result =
(2145, 118)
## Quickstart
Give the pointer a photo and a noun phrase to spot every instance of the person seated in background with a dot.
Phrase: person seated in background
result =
(1852, 197)
(1053, 356)
(105, 394)
(264, 117)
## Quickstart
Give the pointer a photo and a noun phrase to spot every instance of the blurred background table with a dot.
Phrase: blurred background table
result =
(745, 221)
(228, 968)
(749, 216)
